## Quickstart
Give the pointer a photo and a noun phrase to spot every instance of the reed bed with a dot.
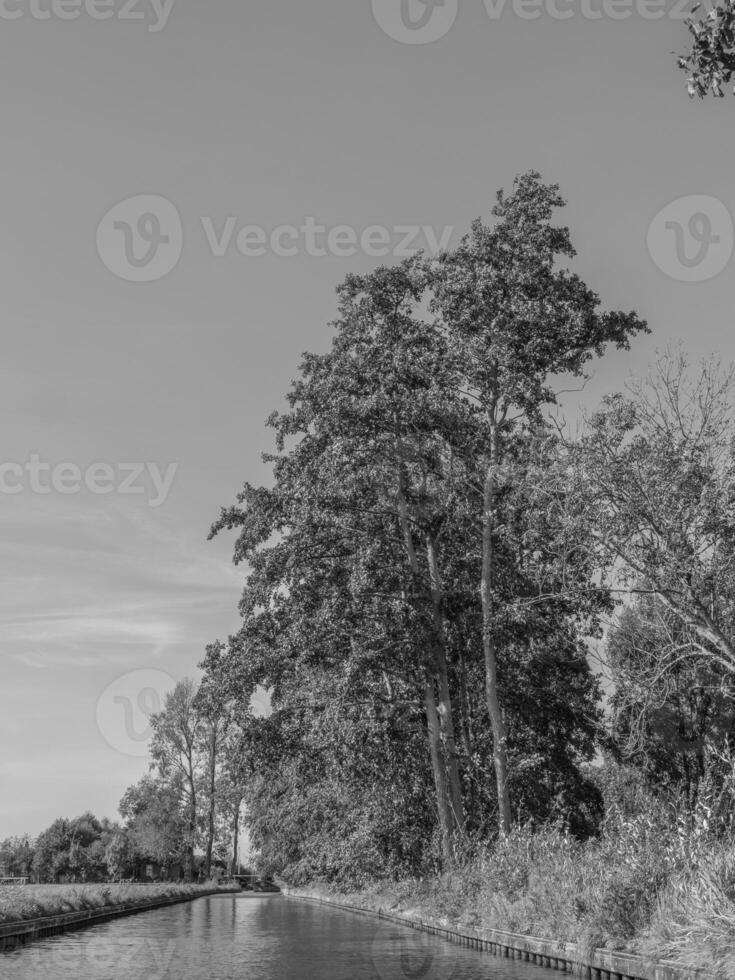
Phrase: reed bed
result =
(649, 885)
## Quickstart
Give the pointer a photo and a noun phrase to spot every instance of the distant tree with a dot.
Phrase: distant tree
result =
(16, 854)
(76, 862)
(119, 855)
(72, 850)
(175, 750)
(231, 764)
(227, 842)
(155, 824)
(85, 830)
(50, 861)
(216, 713)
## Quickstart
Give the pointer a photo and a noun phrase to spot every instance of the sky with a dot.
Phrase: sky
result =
(184, 184)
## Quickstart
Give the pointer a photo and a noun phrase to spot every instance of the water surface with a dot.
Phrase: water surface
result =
(263, 937)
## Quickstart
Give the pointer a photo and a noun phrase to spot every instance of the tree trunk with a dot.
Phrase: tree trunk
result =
(234, 867)
(446, 715)
(212, 798)
(440, 777)
(192, 825)
(497, 722)
(433, 728)
(465, 727)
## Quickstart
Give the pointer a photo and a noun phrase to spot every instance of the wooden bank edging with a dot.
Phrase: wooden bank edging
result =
(604, 964)
(14, 934)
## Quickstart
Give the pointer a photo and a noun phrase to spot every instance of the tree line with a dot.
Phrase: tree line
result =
(79, 849)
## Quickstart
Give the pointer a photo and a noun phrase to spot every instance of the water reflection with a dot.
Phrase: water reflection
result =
(267, 937)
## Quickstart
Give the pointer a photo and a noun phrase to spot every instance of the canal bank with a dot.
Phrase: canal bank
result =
(22, 931)
(597, 964)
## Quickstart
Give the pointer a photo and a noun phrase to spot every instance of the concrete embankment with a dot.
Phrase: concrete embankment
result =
(601, 964)
(14, 934)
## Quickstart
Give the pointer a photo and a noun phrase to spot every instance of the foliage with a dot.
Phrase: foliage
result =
(155, 825)
(671, 719)
(73, 850)
(656, 485)
(119, 855)
(711, 60)
(328, 810)
(16, 856)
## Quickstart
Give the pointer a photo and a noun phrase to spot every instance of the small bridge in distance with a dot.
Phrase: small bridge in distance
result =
(255, 883)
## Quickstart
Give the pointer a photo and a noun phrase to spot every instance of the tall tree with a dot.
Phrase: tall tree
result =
(517, 319)
(216, 713)
(175, 750)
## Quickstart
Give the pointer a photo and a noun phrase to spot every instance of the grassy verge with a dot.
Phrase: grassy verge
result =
(23, 902)
(642, 888)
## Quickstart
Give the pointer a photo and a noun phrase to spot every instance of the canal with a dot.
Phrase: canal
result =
(259, 937)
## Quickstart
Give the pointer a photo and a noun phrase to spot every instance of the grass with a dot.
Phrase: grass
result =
(651, 885)
(22, 902)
